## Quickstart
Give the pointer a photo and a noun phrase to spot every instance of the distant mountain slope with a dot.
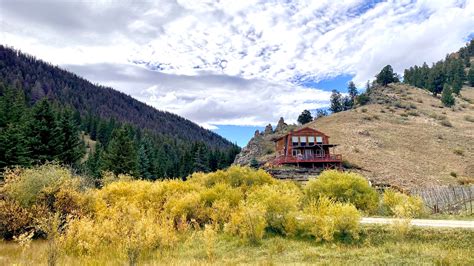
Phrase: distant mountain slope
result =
(403, 137)
(39, 79)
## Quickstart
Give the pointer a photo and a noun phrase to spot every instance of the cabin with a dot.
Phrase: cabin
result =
(306, 147)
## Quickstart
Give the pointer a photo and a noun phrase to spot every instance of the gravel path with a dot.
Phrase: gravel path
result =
(423, 222)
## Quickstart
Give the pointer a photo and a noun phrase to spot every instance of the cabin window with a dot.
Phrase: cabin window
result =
(310, 140)
(294, 140)
(319, 139)
(296, 152)
(303, 140)
(319, 153)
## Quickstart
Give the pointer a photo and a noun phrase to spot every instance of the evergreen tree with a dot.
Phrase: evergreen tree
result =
(436, 79)
(94, 163)
(72, 146)
(352, 90)
(201, 159)
(347, 103)
(14, 150)
(447, 96)
(367, 87)
(321, 113)
(120, 156)
(336, 102)
(305, 117)
(386, 76)
(146, 159)
(457, 85)
(470, 77)
(13, 141)
(43, 133)
(254, 163)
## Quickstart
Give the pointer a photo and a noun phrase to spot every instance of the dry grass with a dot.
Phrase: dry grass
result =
(401, 149)
(409, 145)
(376, 246)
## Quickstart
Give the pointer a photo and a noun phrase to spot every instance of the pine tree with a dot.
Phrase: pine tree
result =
(347, 103)
(321, 113)
(352, 90)
(254, 163)
(305, 117)
(447, 96)
(367, 87)
(457, 85)
(436, 79)
(470, 77)
(201, 159)
(120, 156)
(72, 146)
(14, 150)
(386, 76)
(146, 159)
(94, 163)
(43, 134)
(336, 102)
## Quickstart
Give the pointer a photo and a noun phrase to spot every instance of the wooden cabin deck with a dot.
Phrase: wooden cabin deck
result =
(328, 158)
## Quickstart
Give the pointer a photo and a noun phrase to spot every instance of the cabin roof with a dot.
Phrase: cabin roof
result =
(299, 130)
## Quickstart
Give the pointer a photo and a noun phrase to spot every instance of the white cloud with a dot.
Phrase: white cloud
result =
(211, 99)
(233, 62)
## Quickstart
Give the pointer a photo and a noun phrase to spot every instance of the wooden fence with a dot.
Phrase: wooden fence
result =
(447, 199)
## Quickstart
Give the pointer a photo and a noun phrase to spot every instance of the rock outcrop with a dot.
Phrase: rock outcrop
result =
(281, 126)
(268, 130)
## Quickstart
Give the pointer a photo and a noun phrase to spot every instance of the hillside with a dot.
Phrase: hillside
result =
(404, 137)
(39, 79)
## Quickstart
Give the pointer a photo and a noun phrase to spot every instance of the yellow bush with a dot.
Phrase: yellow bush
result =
(248, 222)
(326, 220)
(235, 176)
(69, 202)
(220, 201)
(402, 205)
(14, 219)
(280, 201)
(124, 227)
(343, 187)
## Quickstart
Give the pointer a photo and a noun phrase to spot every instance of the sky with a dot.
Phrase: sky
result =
(235, 66)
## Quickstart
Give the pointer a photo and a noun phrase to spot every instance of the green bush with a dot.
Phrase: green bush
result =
(343, 187)
(26, 186)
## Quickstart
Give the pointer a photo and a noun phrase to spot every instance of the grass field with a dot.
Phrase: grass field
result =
(377, 245)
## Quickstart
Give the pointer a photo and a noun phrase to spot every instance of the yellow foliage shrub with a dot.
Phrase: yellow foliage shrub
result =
(235, 176)
(220, 201)
(248, 222)
(402, 205)
(14, 219)
(326, 220)
(124, 227)
(280, 201)
(69, 202)
(343, 187)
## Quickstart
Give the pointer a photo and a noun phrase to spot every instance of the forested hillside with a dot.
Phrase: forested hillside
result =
(39, 79)
(48, 114)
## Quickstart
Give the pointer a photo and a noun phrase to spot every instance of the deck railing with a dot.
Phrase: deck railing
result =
(308, 158)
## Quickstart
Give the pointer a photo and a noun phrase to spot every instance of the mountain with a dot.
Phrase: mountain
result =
(49, 114)
(40, 79)
(404, 137)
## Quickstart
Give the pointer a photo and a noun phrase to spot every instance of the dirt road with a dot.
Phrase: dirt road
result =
(423, 222)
